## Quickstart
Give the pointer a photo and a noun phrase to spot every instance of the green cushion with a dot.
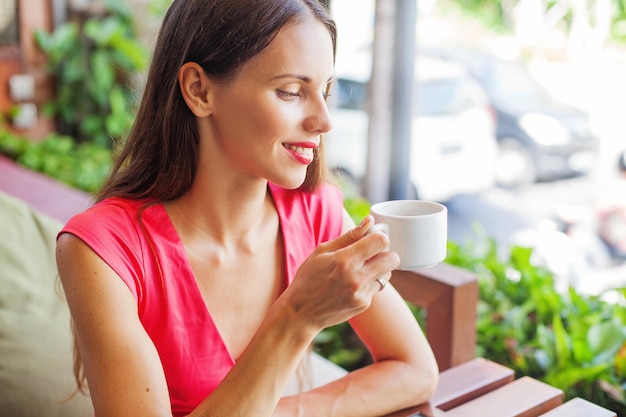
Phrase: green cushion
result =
(35, 338)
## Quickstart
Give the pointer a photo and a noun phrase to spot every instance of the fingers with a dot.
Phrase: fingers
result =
(372, 249)
(364, 247)
(353, 235)
(366, 240)
(353, 268)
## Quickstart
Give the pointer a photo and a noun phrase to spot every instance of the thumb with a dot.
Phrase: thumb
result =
(352, 235)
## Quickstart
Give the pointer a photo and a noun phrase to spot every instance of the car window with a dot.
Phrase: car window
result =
(445, 96)
(508, 80)
(350, 94)
(436, 97)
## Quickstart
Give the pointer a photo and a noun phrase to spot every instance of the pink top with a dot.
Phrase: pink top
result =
(171, 308)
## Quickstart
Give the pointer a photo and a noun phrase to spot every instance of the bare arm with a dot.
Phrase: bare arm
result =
(404, 372)
(122, 365)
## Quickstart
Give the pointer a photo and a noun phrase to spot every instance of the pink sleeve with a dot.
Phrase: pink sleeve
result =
(110, 232)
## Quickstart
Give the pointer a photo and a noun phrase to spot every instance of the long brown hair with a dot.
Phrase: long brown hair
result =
(158, 161)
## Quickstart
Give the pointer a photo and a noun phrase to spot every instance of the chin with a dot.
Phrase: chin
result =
(290, 183)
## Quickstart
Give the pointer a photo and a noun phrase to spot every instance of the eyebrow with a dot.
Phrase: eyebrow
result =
(300, 77)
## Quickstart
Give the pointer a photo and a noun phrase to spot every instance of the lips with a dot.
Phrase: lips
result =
(302, 152)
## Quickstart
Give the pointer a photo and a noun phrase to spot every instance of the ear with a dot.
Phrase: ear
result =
(195, 86)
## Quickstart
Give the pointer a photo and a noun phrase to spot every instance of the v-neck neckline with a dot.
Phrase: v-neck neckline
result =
(192, 284)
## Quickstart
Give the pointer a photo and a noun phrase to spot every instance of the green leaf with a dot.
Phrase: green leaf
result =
(103, 72)
(102, 31)
(42, 39)
(545, 341)
(561, 342)
(74, 70)
(581, 353)
(567, 378)
(62, 42)
(605, 339)
(92, 125)
(118, 8)
(132, 52)
(620, 362)
(118, 102)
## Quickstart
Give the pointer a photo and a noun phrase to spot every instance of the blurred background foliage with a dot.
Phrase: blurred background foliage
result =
(500, 14)
(81, 165)
(96, 57)
(572, 341)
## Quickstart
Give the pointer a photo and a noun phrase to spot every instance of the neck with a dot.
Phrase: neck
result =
(227, 214)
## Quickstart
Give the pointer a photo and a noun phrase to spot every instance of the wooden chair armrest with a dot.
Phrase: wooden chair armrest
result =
(462, 384)
(449, 295)
(470, 380)
(577, 407)
(524, 397)
(481, 388)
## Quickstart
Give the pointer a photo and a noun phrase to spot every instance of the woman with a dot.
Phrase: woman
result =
(217, 250)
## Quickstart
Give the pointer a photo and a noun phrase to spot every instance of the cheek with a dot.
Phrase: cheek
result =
(256, 120)
(268, 118)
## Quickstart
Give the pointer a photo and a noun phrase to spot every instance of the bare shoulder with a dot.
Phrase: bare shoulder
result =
(87, 279)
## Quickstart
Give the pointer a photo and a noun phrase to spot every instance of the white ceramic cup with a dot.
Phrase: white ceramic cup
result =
(417, 230)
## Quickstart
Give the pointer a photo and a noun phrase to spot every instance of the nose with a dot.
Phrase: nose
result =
(318, 120)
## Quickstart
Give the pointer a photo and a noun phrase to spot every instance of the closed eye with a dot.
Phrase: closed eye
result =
(287, 95)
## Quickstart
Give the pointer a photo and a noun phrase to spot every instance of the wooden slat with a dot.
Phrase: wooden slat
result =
(427, 410)
(461, 384)
(524, 397)
(470, 380)
(449, 294)
(578, 407)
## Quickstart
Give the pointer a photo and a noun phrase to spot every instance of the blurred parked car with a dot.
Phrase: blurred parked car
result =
(540, 138)
(453, 147)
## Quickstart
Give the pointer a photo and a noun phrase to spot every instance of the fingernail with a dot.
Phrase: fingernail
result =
(365, 220)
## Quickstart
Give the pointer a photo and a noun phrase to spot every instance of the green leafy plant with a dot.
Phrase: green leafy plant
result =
(92, 62)
(572, 341)
(84, 166)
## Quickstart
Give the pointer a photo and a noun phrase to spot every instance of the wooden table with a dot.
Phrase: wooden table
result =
(481, 388)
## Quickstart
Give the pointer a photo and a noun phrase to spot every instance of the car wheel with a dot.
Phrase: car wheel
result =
(515, 166)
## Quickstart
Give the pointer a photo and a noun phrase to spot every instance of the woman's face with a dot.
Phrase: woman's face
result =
(267, 121)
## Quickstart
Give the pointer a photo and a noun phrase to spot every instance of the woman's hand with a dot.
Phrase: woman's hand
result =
(338, 280)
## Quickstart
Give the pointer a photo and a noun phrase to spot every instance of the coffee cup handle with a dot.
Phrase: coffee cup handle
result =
(379, 228)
